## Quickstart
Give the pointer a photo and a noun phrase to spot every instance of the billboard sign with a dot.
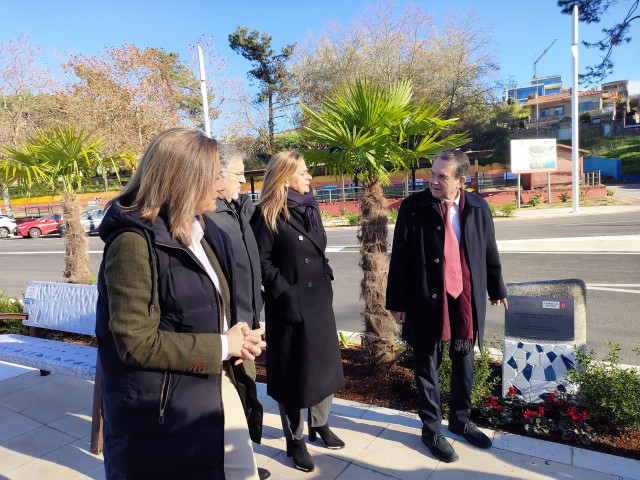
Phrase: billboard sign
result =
(535, 155)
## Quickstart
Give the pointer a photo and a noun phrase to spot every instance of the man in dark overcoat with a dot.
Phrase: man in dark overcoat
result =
(443, 262)
(232, 214)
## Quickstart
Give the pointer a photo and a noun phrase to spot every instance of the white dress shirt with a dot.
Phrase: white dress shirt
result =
(198, 250)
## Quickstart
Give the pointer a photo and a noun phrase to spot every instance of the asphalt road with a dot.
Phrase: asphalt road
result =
(612, 276)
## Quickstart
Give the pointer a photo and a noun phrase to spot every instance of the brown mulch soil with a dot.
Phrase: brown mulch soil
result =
(396, 390)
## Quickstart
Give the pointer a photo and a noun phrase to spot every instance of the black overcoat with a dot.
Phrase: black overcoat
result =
(303, 355)
(415, 282)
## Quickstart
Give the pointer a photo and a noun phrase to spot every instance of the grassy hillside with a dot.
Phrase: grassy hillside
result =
(626, 149)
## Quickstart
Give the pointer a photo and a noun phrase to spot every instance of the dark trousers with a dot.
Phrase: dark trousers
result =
(426, 365)
(293, 418)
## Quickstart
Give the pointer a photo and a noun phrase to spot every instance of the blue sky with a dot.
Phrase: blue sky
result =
(521, 29)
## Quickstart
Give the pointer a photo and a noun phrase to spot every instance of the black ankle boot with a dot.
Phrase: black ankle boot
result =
(329, 438)
(301, 458)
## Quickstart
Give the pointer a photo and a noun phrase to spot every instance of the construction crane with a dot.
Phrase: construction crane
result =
(535, 62)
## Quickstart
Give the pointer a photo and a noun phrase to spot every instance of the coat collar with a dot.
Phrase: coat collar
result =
(425, 199)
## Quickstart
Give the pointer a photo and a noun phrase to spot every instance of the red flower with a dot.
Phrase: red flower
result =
(561, 403)
(572, 412)
(549, 398)
(492, 402)
(585, 415)
(512, 391)
(541, 411)
(500, 408)
(529, 413)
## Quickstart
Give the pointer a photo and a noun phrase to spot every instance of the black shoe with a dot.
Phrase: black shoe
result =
(439, 446)
(329, 438)
(301, 458)
(472, 433)
(263, 473)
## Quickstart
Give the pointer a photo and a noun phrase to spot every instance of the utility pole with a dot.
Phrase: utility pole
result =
(574, 112)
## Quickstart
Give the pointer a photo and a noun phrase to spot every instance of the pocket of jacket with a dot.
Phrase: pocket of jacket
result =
(288, 307)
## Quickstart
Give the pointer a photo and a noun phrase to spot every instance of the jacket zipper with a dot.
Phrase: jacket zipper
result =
(165, 392)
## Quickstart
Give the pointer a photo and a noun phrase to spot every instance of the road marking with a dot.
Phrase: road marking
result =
(549, 252)
(595, 223)
(45, 252)
(622, 290)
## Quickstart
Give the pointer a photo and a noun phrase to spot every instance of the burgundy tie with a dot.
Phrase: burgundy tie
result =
(452, 268)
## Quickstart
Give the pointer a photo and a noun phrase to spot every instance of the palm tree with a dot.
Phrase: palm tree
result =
(64, 159)
(372, 132)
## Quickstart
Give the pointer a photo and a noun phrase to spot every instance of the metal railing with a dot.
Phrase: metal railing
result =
(591, 178)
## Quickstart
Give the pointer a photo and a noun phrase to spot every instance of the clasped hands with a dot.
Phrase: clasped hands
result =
(244, 343)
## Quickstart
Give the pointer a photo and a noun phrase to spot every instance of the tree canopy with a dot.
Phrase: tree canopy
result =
(591, 11)
(269, 69)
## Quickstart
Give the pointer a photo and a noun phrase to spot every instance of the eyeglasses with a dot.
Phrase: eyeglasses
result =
(235, 174)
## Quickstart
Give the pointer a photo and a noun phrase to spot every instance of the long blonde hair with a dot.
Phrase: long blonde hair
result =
(177, 171)
(273, 197)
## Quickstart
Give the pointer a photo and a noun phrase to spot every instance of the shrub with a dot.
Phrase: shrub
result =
(483, 379)
(564, 197)
(492, 207)
(393, 215)
(353, 218)
(559, 413)
(609, 192)
(609, 392)
(508, 208)
(344, 212)
(325, 215)
(12, 305)
(535, 200)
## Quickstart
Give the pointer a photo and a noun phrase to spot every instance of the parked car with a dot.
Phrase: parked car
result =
(42, 226)
(91, 220)
(7, 226)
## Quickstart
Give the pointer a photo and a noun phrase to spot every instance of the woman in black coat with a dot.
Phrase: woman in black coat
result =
(304, 368)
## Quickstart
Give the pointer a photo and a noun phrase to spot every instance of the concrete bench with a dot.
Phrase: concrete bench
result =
(63, 307)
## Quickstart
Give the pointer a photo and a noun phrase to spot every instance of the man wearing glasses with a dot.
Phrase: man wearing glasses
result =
(232, 214)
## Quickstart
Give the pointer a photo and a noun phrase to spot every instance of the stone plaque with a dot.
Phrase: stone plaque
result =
(542, 318)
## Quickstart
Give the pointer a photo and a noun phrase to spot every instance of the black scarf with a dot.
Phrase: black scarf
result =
(307, 206)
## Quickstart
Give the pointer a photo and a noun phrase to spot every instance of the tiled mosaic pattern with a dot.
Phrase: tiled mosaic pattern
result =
(535, 368)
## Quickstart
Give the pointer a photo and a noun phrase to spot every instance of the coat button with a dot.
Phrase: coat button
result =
(435, 295)
(438, 227)
(436, 260)
(309, 284)
(300, 237)
(306, 260)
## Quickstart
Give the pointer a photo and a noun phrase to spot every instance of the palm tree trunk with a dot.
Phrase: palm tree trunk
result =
(7, 200)
(76, 245)
(380, 337)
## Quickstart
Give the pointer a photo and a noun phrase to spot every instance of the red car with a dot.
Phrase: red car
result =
(42, 226)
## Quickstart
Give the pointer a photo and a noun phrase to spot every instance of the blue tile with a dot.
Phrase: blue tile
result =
(561, 388)
(528, 355)
(512, 363)
(551, 356)
(567, 363)
(549, 374)
(526, 372)
(539, 348)
(520, 344)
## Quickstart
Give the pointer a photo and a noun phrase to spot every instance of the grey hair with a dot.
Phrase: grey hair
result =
(460, 159)
(228, 153)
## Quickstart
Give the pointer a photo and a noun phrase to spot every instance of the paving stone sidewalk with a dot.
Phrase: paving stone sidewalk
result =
(45, 424)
